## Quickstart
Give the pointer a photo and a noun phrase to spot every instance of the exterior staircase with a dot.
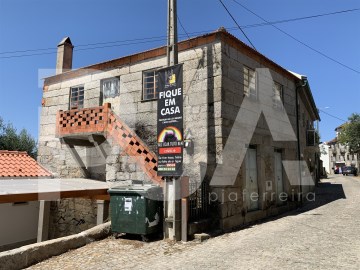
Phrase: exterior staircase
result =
(92, 126)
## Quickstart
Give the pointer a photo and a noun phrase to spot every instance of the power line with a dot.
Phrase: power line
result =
(303, 18)
(183, 28)
(299, 41)
(162, 38)
(199, 32)
(84, 49)
(232, 17)
(333, 116)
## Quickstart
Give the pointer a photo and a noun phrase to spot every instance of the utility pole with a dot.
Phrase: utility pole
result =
(172, 201)
(172, 48)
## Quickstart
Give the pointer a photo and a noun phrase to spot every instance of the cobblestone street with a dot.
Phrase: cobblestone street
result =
(324, 235)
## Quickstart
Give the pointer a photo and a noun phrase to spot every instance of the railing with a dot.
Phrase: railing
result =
(103, 120)
(198, 201)
(79, 121)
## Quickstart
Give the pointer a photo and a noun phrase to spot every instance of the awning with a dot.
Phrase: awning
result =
(24, 190)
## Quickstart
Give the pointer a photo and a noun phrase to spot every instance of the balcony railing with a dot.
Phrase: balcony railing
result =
(102, 120)
(82, 121)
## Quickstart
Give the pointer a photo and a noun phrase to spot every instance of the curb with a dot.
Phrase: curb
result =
(31, 254)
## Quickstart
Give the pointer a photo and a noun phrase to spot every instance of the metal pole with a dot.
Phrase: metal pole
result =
(174, 233)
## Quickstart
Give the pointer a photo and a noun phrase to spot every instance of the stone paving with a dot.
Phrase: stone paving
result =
(322, 235)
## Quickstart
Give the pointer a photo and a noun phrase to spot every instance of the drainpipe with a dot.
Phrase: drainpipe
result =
(304, 82)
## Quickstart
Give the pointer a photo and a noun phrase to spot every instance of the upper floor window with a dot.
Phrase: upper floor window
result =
(110, 87)
(311, 137)
(77, 97)
(250, 82)
(278, 95)
(309, 124)
(150, 85)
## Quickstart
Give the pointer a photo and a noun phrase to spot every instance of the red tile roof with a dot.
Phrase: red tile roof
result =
(20, 164)
(333, 141)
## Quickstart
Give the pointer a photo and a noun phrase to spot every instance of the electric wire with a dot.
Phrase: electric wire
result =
(200, 32)
(299, 41)
(333, 116)
(232, 17)
(162, 38)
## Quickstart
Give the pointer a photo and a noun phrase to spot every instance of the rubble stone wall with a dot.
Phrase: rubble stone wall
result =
(232, 206)
(201, 79)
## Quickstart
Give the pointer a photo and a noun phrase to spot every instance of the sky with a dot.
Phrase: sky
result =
(139, 25)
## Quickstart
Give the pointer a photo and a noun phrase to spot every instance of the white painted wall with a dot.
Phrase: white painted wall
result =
(325, 157)
(18, 223)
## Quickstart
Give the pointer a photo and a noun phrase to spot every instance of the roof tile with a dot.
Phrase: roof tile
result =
(20, 164)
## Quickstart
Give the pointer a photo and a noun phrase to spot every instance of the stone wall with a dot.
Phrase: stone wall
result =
(201, 83)
(232, 207)
(71, 216)
(213, 92)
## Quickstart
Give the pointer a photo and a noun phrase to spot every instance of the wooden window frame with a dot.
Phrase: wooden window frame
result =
(248, 79)
(155, 89)
(80, 88)
(117, 91)
(276, 101)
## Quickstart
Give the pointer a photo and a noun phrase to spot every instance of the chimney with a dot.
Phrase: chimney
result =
(64, 56)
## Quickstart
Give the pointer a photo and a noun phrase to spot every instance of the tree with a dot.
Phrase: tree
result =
(11, 140)
(350, 133)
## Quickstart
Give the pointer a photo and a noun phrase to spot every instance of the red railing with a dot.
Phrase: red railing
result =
(82, 121)
(103, 120)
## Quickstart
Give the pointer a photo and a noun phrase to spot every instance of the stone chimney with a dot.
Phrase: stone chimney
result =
(64, 56)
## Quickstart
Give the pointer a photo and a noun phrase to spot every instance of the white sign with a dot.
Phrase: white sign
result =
(128, 204)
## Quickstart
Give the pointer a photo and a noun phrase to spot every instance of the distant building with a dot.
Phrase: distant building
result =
(340, 155)
(325, 157)
(82, 135)
(19, 220)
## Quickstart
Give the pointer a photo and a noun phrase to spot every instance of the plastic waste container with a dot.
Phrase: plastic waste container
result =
(136, 209)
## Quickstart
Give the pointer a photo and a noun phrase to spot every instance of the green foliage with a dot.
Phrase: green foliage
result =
(11, 140)
(350, 133)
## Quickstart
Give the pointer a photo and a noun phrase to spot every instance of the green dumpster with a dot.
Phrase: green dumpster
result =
(136, 209)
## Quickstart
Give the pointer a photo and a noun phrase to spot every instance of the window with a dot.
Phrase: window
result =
(110, 87)
(310, 137)
(278, 95)
(309, 124)
(150, 85)
(77, 97)
(250, 82)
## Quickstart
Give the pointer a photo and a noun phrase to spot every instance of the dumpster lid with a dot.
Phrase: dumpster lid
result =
(135, 188)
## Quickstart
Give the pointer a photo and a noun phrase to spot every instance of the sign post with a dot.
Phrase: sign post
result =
(170, 122)
(170, 144)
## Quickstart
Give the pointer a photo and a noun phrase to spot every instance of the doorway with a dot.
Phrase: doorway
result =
(252, 180)
(279, 179)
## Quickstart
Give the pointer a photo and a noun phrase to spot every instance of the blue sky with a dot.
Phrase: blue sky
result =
(37, 24)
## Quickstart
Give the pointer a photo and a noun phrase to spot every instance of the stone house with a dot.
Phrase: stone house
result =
(99, 122)
(340, 155)
(19, 220)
